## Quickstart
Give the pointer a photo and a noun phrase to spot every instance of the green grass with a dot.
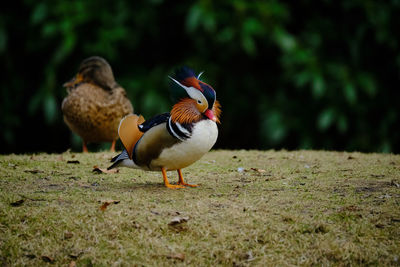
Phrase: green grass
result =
(292, 208)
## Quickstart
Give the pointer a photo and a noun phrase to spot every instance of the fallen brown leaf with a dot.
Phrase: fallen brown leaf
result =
(107, 203)
(248, 256)
(176, 256)
(104, 206)
(33, 171)
(30, 256)
(394, 183)
(136, 225)
(75, 255)
(155, 212)
(178, 220)
(96, 169)
(68, 235)
(17, 203)
(72, 264)
(47, 259)
(258, 170)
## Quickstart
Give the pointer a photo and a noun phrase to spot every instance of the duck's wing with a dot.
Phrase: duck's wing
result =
(155, 139)
(154, 121)
(129, 132)
(132, 128)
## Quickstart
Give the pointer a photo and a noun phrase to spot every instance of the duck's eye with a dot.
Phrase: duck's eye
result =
(199, 101)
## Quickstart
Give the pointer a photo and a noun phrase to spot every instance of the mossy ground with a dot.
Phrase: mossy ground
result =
(252, 208)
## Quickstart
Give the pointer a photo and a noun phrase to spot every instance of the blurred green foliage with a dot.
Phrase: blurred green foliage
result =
(289, 74)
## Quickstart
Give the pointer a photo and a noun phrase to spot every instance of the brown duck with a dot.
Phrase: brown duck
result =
(95, 103)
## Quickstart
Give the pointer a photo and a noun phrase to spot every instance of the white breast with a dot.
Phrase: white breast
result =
(183, 154)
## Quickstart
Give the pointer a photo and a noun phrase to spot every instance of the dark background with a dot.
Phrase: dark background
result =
(289, 74)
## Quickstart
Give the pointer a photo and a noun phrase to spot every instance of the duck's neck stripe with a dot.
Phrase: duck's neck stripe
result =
(177, 130)
(182, 129)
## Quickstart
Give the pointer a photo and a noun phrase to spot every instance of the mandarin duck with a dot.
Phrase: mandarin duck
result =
(95, 103)
(172, 141)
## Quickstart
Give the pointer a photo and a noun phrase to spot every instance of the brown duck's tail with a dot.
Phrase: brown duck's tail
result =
(129, 132)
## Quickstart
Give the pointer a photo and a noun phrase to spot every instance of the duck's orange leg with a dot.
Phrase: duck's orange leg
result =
(112, 148)
(181, 182)
(167, 184)
(84, 147)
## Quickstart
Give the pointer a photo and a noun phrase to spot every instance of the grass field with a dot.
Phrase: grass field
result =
(253, 208)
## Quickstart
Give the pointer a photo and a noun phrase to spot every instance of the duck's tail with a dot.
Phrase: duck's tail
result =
(117, 160)
(123, 160)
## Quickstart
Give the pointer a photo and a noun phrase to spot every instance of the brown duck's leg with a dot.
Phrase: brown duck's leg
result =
(181, 182)
(84, 147)
(167, 184)
(112, 148)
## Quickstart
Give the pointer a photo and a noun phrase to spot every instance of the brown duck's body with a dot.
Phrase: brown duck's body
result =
(95, 103)
(94, 114)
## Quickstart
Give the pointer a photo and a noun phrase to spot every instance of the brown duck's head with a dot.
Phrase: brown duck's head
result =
(94, 70)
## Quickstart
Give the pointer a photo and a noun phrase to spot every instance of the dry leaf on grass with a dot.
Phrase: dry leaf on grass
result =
(68, 235)
(33, 157)
(395, 183)
(107, 203)
(17, 203)
(241, 169)
(30, 256)
(96, 169)
(104, 206)
(136, 225)
(178, 224)
(178, 220)
(72, 264)
(176, 256)
(248, 256)
(47, 259)
(75, 255)
(258, 170)
(34, 171)
(155, 212)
